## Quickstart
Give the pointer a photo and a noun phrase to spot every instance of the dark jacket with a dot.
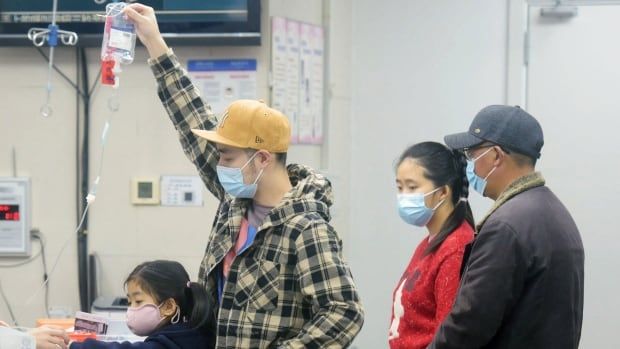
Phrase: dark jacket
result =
(179, 336)
(523, 286)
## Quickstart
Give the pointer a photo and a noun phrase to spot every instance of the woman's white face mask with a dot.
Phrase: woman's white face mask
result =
(412, 208)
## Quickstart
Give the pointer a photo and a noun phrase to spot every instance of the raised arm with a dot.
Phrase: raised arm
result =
(180, 97)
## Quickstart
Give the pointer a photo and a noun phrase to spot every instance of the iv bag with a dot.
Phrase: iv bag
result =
(119, 35)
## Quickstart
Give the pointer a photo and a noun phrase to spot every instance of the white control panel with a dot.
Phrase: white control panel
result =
(181, 191)
(14, 217)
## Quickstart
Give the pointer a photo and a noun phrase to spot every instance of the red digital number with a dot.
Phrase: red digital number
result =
(11, 216)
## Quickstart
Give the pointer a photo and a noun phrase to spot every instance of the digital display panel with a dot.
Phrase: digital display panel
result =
(9, 213)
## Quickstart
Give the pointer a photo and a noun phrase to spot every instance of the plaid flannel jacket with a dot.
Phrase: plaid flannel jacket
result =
(292, 287)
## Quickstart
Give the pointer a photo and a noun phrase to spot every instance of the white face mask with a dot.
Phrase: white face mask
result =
(231, 178)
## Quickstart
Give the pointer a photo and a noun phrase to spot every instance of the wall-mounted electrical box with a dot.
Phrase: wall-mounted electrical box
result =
(145, 191)
(15, 219)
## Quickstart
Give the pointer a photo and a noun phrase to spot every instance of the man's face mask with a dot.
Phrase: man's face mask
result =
(231, 179)
(475, 181)
(412, 208)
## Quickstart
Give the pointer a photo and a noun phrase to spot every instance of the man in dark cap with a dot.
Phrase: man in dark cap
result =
(523, 281)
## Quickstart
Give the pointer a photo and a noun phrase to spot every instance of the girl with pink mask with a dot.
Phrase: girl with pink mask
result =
(165, 306)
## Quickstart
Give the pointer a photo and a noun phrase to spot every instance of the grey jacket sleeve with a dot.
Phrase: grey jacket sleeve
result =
(490, 286)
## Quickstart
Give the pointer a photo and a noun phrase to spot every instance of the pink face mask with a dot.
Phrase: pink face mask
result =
(144, 319)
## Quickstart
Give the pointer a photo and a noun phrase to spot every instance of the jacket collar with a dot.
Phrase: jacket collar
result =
(517, 187)
(311, 192)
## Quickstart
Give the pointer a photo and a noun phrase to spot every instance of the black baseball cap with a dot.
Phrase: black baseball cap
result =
(508, 126)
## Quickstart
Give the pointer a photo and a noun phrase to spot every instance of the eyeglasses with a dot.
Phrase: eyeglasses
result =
(469, 152)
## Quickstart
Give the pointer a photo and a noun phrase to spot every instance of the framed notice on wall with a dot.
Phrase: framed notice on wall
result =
(297, 60)
(222, 81)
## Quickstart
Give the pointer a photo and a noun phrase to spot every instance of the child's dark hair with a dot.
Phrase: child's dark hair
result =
(163, 280)
(443, 166)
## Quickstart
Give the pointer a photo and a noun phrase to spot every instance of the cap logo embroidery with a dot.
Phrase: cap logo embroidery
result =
(477, 130)
(259, 140)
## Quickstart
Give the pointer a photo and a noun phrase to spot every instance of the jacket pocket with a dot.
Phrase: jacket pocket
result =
(258, 286)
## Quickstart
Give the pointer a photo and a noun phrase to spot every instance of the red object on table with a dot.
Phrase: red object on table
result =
(81, 336)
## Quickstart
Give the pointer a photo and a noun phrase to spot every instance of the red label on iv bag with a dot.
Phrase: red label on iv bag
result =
(107, 72)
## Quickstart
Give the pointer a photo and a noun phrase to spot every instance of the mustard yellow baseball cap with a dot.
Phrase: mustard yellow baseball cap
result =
(248, 123)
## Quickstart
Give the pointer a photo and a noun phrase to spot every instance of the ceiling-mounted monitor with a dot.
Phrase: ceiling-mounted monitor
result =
(182, 22)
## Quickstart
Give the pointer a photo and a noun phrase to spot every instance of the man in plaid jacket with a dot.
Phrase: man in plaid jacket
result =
(273, 262)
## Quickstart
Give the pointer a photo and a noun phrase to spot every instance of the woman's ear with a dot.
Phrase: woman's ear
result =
(446, 193)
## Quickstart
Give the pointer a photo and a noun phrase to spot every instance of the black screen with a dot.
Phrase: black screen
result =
(182, 21)
(9, 212)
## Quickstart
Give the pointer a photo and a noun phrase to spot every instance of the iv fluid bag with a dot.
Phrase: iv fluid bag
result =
(119, 35)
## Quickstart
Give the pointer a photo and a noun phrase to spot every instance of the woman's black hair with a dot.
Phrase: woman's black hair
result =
(443, 166)
(163, 280)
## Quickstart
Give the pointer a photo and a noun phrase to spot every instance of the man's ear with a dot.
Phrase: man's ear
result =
(264, 158)
(500, 155)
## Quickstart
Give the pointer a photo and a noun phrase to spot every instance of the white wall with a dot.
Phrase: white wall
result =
(141, 142)
(421, 69)
(44, 149)
(574, 79)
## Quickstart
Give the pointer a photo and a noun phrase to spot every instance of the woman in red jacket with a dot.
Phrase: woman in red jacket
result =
(432, 193)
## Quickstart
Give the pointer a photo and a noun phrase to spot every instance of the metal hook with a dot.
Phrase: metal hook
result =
(38, 36)
(68, 38)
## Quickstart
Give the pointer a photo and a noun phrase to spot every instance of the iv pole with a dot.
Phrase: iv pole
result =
(51, 34)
